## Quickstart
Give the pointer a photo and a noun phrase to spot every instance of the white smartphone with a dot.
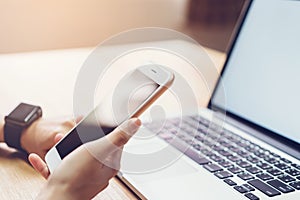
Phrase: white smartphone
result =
(130, 98)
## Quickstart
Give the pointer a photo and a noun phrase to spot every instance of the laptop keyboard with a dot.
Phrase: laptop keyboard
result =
(227, 155)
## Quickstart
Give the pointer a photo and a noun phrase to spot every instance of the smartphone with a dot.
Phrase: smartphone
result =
(134, 93)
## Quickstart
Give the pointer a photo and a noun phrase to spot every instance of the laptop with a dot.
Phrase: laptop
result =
(248, 145)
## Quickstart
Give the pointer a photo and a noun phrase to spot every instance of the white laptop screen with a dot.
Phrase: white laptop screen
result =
(262, 75)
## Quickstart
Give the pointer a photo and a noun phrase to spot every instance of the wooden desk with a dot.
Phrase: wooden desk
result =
(47, 79)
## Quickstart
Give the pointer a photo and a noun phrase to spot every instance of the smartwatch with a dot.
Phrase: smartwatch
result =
(19, 119)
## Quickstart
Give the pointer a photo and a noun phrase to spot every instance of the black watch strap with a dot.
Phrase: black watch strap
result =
(19, 119)
(13, 140)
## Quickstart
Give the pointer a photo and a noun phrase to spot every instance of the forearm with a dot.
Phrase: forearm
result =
(59, 191)
(1, 130)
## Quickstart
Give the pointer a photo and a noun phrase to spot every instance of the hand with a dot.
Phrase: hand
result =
(87, 170)
(42, 134)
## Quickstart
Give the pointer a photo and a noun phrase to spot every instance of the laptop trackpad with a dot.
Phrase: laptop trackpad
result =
(165, 163)
(177, 169)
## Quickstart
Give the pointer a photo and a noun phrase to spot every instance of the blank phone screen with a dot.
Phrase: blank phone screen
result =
(121, 103)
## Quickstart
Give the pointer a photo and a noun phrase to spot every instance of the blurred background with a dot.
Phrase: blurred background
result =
(33, 25)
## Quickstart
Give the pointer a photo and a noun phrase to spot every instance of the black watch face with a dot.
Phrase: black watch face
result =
(22, 113)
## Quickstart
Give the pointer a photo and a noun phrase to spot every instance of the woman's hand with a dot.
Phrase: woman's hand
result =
(87, 170)
(42, 134)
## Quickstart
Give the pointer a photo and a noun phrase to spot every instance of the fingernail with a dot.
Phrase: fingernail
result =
(137, 121)
(134, 124)
(131, 126)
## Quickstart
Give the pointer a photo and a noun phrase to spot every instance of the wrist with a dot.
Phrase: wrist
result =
(27, 139)
(58, 189)
(54, 191)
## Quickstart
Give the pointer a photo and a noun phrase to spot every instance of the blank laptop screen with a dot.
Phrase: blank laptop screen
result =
(262, 76)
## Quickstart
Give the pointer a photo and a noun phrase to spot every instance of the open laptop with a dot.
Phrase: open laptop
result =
(255, 154)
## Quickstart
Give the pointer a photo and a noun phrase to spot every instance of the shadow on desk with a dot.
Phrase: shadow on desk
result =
(6, 152)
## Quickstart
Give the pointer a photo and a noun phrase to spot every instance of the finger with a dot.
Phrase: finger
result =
(39, 165)
(78, 119)
(58, 137)
(66, 127)
(113, 160)
(124, 132)
(52, 141)
(68, 124)
(113, 141)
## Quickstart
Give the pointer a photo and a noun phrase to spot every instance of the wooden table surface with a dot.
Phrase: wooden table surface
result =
(45, 78)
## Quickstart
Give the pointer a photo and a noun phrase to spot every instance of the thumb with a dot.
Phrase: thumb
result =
(78, 119)
(121, 135)
(114, 140)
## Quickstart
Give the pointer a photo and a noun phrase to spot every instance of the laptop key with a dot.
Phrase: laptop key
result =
(274, 172)
(252, 159)
(245, 176)
(199, 138)
(224, 153)
(225, 164)
(202, 161)
(235, 170)
(275, 155)
(234, 149)
(216, 158)
(293, 172)
(223, 174)
(271, 160)
(243, 143)
(243, 153)
(224, 143)
(295, 185)
(206, 152)
(234, 158)
(264, 176)
(197, 146)
(250, 148)
(263, 187)
(263, 165)
(281, 186)
(193, 154)
(260, 154)
(196, 157)
(217, 148)
(282, 166)
(286, 178)
(235, 139)
(230, 182)
(248, 187)
(295, 165)
(251, 196)
(240, 189)
(212, 167)
(286, 160)
(243, 164)
(253, 170)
